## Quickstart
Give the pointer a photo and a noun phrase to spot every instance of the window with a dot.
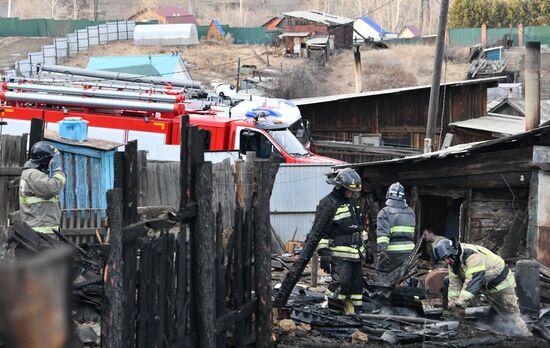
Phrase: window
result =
(288, 142)
(251, 140)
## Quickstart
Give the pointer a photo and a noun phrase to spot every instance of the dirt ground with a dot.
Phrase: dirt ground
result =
(399, 66)
(13, 49)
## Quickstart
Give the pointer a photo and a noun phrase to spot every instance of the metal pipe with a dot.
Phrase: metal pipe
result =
(98, 93)
(62, 100)
(433, 108)
(118, 86)
(532, 85)
(108, 75)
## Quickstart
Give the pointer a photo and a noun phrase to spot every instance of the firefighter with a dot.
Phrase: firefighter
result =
(395, 226)
(39, 192)
(431, 238)
(343, 243)
(474, 269)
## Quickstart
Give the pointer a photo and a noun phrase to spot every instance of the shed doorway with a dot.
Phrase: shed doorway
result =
(442, 214)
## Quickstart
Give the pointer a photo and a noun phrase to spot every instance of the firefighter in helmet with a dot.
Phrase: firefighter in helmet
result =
(343, 244)
(39, 192)
(474, 269)
(395, 226)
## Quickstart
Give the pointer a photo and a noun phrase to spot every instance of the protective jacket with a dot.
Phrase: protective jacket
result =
(39, 199)
(345, 237)
(395, 228)
(478, 269)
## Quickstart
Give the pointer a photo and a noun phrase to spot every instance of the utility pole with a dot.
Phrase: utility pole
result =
(436, 77)
(9, 8)
(358, 70)
(96, 9)
(238, 74)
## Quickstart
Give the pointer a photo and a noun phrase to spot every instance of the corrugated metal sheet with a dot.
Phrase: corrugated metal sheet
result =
(506, 125)
(319, 17)
(296, 192)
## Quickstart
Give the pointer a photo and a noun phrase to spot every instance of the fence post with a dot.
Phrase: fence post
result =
(113, 301)
(520, 35)
(264, 177)
(202, 260)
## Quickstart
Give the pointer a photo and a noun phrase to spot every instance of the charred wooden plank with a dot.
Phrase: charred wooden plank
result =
(264, 177)
(112, 316)
(202, 247)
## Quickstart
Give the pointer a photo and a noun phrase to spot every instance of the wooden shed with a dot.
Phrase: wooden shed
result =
(164, 15)
(89, 167)
(216, 31)
(494, 193)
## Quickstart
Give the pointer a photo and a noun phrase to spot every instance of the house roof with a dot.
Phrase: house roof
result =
(219, 26)
(166, 65)
(172, 11)
(459, 150)
(338, 97)
(275, 20)
(319, 17)
(498, 124)
(519, 105)
(375, 26)
(413, 29)
(296, 34)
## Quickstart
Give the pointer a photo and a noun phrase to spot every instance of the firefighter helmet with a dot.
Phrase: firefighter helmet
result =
(347, 178)
(396, 192)
(445, 248)
(42, 153)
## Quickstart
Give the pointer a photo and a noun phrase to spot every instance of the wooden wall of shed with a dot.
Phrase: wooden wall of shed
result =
(491, 214)
(395, 115)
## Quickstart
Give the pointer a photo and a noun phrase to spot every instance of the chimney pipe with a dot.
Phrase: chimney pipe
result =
(532, 85)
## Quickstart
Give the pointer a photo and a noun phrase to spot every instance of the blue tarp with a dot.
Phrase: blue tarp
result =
(165, 65)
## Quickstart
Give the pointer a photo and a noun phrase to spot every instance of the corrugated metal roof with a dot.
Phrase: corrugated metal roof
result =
(413, 28)
(337, 97)
(319, 17)
(501, 124)
(375, 26)
(319, 40)
(296, 34)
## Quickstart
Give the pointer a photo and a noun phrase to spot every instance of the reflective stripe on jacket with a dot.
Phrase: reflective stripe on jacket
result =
(345, 238)
(477, 268)
(395, 226)
(39, 199)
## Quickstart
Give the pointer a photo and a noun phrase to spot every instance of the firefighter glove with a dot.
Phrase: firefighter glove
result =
(368, 256)
(325, 263)
(383, 258)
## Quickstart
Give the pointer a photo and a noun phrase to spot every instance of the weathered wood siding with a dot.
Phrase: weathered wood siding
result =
(492, 213)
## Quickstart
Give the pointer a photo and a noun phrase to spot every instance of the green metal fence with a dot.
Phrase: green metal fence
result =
(42, 27)
(472, 36)
(464, 36)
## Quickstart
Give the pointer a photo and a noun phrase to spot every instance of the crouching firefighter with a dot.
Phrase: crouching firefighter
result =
(343, 244)
(474, 269)
(39, 192)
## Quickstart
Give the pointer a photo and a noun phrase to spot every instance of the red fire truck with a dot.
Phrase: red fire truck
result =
(154, 123)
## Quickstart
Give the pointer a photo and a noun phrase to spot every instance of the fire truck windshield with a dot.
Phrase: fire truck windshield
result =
(288, 142)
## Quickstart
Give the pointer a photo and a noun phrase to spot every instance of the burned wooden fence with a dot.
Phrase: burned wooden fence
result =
(200, 277)
(12, 157)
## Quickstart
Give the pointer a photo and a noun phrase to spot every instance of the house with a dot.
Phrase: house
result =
(409, 31)
(494, 193)
(273, 23)
(301, 25)
(216, 31)
(515, 106)
(364, 28)
(398, 116)
(164, 15)
(166, 65)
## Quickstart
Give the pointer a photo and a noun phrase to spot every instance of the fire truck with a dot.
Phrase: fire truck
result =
(154, 119)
